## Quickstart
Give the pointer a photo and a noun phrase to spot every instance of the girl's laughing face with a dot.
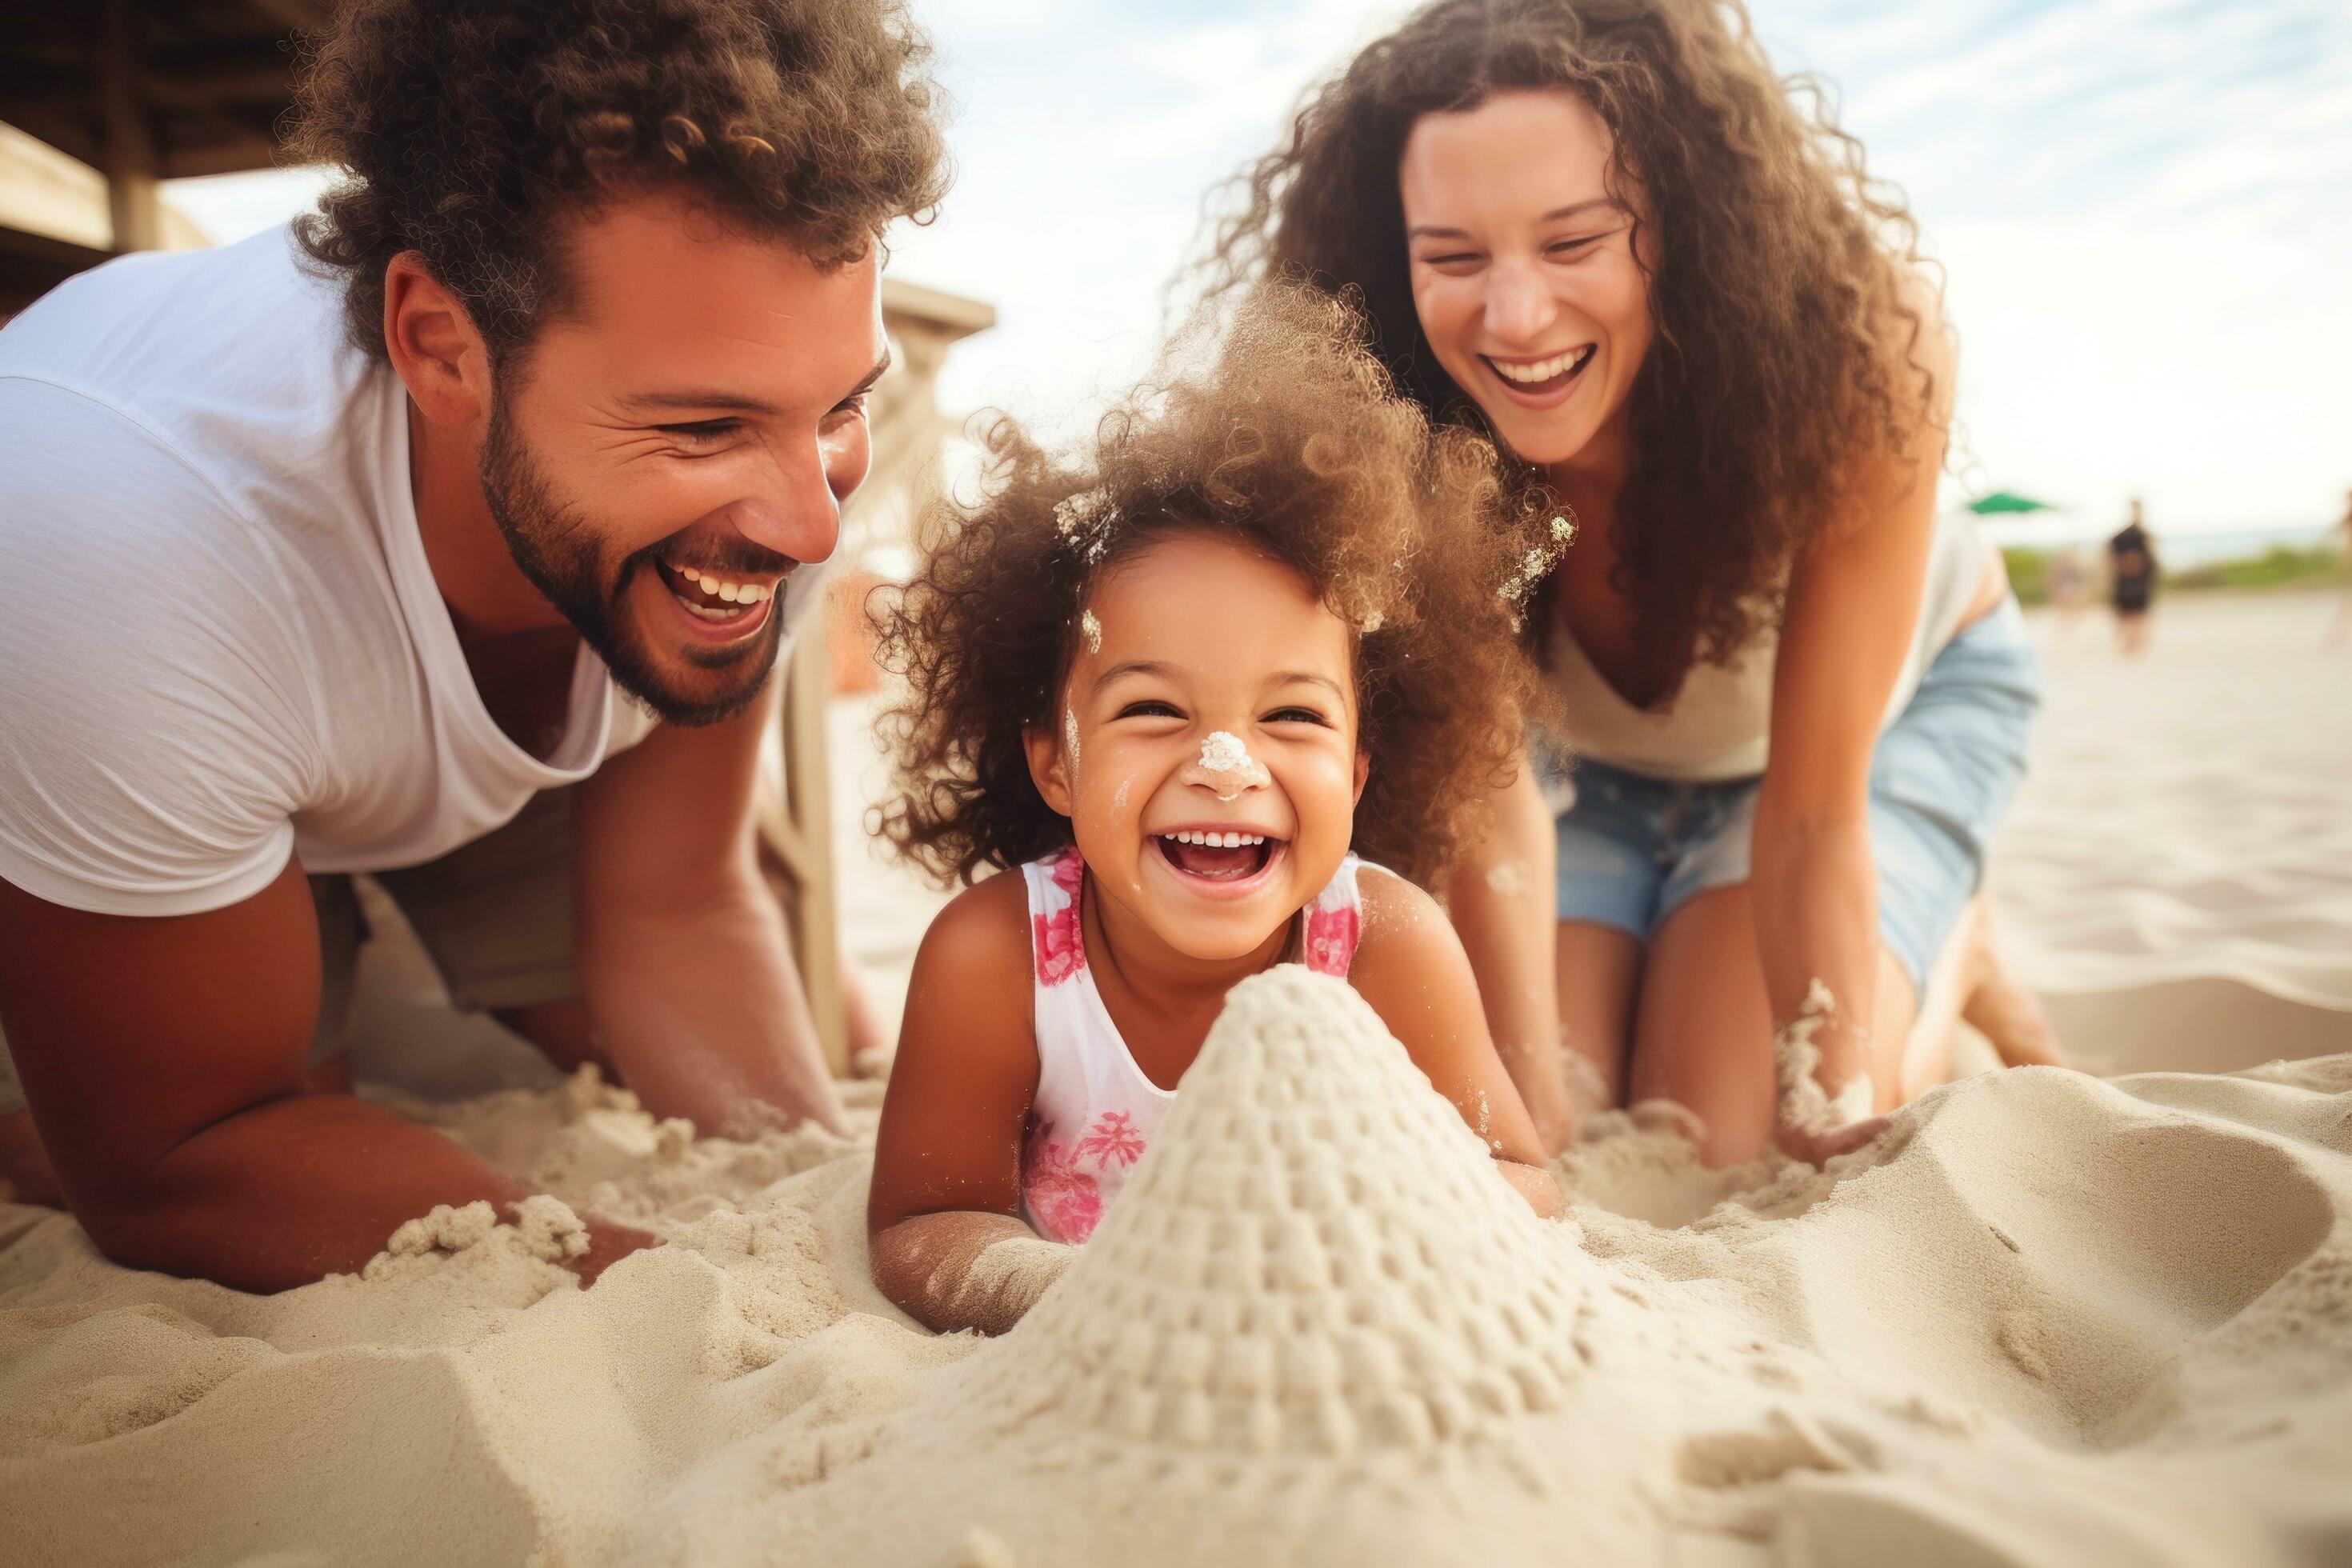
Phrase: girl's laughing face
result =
(1205, 752)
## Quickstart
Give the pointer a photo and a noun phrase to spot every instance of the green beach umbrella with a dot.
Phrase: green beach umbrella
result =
(2001, 502)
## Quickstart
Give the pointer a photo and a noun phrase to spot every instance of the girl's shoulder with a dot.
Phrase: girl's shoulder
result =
(1412, 968)
(976, 949)
(1402, 925)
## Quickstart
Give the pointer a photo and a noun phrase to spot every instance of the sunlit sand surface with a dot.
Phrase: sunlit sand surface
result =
(2058, 1317)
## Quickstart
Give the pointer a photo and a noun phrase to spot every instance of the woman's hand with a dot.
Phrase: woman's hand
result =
(1550, 1107)
(1818, 1146)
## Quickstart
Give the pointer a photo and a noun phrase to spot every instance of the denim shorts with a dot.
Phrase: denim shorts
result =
(1634, 850)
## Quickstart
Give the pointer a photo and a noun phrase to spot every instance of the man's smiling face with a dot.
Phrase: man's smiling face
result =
(678, 438)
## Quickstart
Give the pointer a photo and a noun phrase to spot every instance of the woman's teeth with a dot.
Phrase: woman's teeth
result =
(1542, 369)
(1216, 840)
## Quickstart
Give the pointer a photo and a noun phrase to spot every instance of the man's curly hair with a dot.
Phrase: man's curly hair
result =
(1284, 437)
(1785, 343)
(465, 131)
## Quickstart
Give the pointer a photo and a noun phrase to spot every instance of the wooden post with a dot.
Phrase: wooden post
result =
(801, 836)
(134, 199)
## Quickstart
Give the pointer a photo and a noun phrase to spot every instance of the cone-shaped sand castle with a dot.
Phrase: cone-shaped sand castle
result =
(1317, 1327)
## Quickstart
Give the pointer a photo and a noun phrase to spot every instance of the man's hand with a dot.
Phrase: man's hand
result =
(164, 1061)
(690, 986)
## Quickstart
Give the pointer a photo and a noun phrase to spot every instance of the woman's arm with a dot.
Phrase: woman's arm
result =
(944, 1236)
(1852, 610)
(1412, 968)
(1501, 901)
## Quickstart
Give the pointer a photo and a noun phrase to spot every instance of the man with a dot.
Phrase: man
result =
(457, 551)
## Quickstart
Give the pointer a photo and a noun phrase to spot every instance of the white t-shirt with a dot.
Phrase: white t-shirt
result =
(220, 641)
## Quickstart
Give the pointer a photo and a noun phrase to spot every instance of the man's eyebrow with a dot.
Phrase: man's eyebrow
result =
(691, 399)
(1429, 231)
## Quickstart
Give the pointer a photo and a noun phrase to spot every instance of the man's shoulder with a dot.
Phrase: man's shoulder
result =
(198, 413)
(234, 359)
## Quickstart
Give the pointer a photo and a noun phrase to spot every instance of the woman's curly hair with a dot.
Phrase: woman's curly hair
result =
(464, 130)
(1785, 337)
(1288, 440)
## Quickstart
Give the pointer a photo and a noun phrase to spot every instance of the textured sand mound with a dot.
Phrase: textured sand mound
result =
(2063, 1320)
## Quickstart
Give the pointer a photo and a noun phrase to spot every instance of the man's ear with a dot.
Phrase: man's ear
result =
(434, 348)
(1363, 771)
(1049, 769)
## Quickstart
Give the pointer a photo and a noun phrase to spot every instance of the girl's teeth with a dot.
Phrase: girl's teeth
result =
(1217, 840)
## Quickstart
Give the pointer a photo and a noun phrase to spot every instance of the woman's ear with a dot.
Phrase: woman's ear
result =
(1049, 765)
(1363, 771)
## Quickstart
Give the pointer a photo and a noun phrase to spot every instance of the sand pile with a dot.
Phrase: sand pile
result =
(2061, 1319)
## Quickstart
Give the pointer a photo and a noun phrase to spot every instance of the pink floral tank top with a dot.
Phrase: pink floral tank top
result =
(1095, 1112)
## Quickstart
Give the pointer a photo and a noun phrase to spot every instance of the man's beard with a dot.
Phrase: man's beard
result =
(557, 550)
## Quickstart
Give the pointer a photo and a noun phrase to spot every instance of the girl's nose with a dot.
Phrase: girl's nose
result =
(1518, 307)
(1225, 767)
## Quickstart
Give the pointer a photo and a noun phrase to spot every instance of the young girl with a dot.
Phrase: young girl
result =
(1176, 688)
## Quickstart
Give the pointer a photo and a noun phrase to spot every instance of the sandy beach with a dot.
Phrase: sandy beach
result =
(2056, 1318)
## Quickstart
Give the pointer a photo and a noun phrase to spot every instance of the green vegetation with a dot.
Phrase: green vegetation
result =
(2279, 567)
(2028, 573)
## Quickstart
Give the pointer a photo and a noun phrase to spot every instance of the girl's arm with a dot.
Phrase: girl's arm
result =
(1852, 610)
(1412, 968)
(944, 1235)
(1501, 901)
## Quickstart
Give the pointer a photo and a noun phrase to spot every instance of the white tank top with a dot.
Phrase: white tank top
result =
(1719, 725)
(1095, 1112)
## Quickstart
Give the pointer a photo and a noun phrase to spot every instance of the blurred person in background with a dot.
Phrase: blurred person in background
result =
(2131, 581)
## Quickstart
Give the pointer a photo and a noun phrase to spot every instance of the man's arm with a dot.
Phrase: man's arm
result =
(162, 1058)
(689, 983)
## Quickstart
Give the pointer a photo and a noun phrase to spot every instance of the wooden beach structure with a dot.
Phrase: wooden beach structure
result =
(101, 101)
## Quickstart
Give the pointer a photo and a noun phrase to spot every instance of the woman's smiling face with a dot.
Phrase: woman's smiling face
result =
(1206, 751)
(1523, 268)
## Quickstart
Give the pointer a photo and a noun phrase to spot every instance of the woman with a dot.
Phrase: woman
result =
(1798, 702)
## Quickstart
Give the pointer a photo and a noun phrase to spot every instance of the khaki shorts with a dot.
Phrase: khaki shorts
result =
(494, 915)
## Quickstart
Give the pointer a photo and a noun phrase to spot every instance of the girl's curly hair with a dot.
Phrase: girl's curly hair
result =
(1288, 440)
(1779, 294)
(464, 130)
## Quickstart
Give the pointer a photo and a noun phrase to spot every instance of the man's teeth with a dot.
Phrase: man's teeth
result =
(1542, 369)
(732, 591)
(1216, 840)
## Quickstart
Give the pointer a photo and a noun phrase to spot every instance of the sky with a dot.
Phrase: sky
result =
(2144, 209)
